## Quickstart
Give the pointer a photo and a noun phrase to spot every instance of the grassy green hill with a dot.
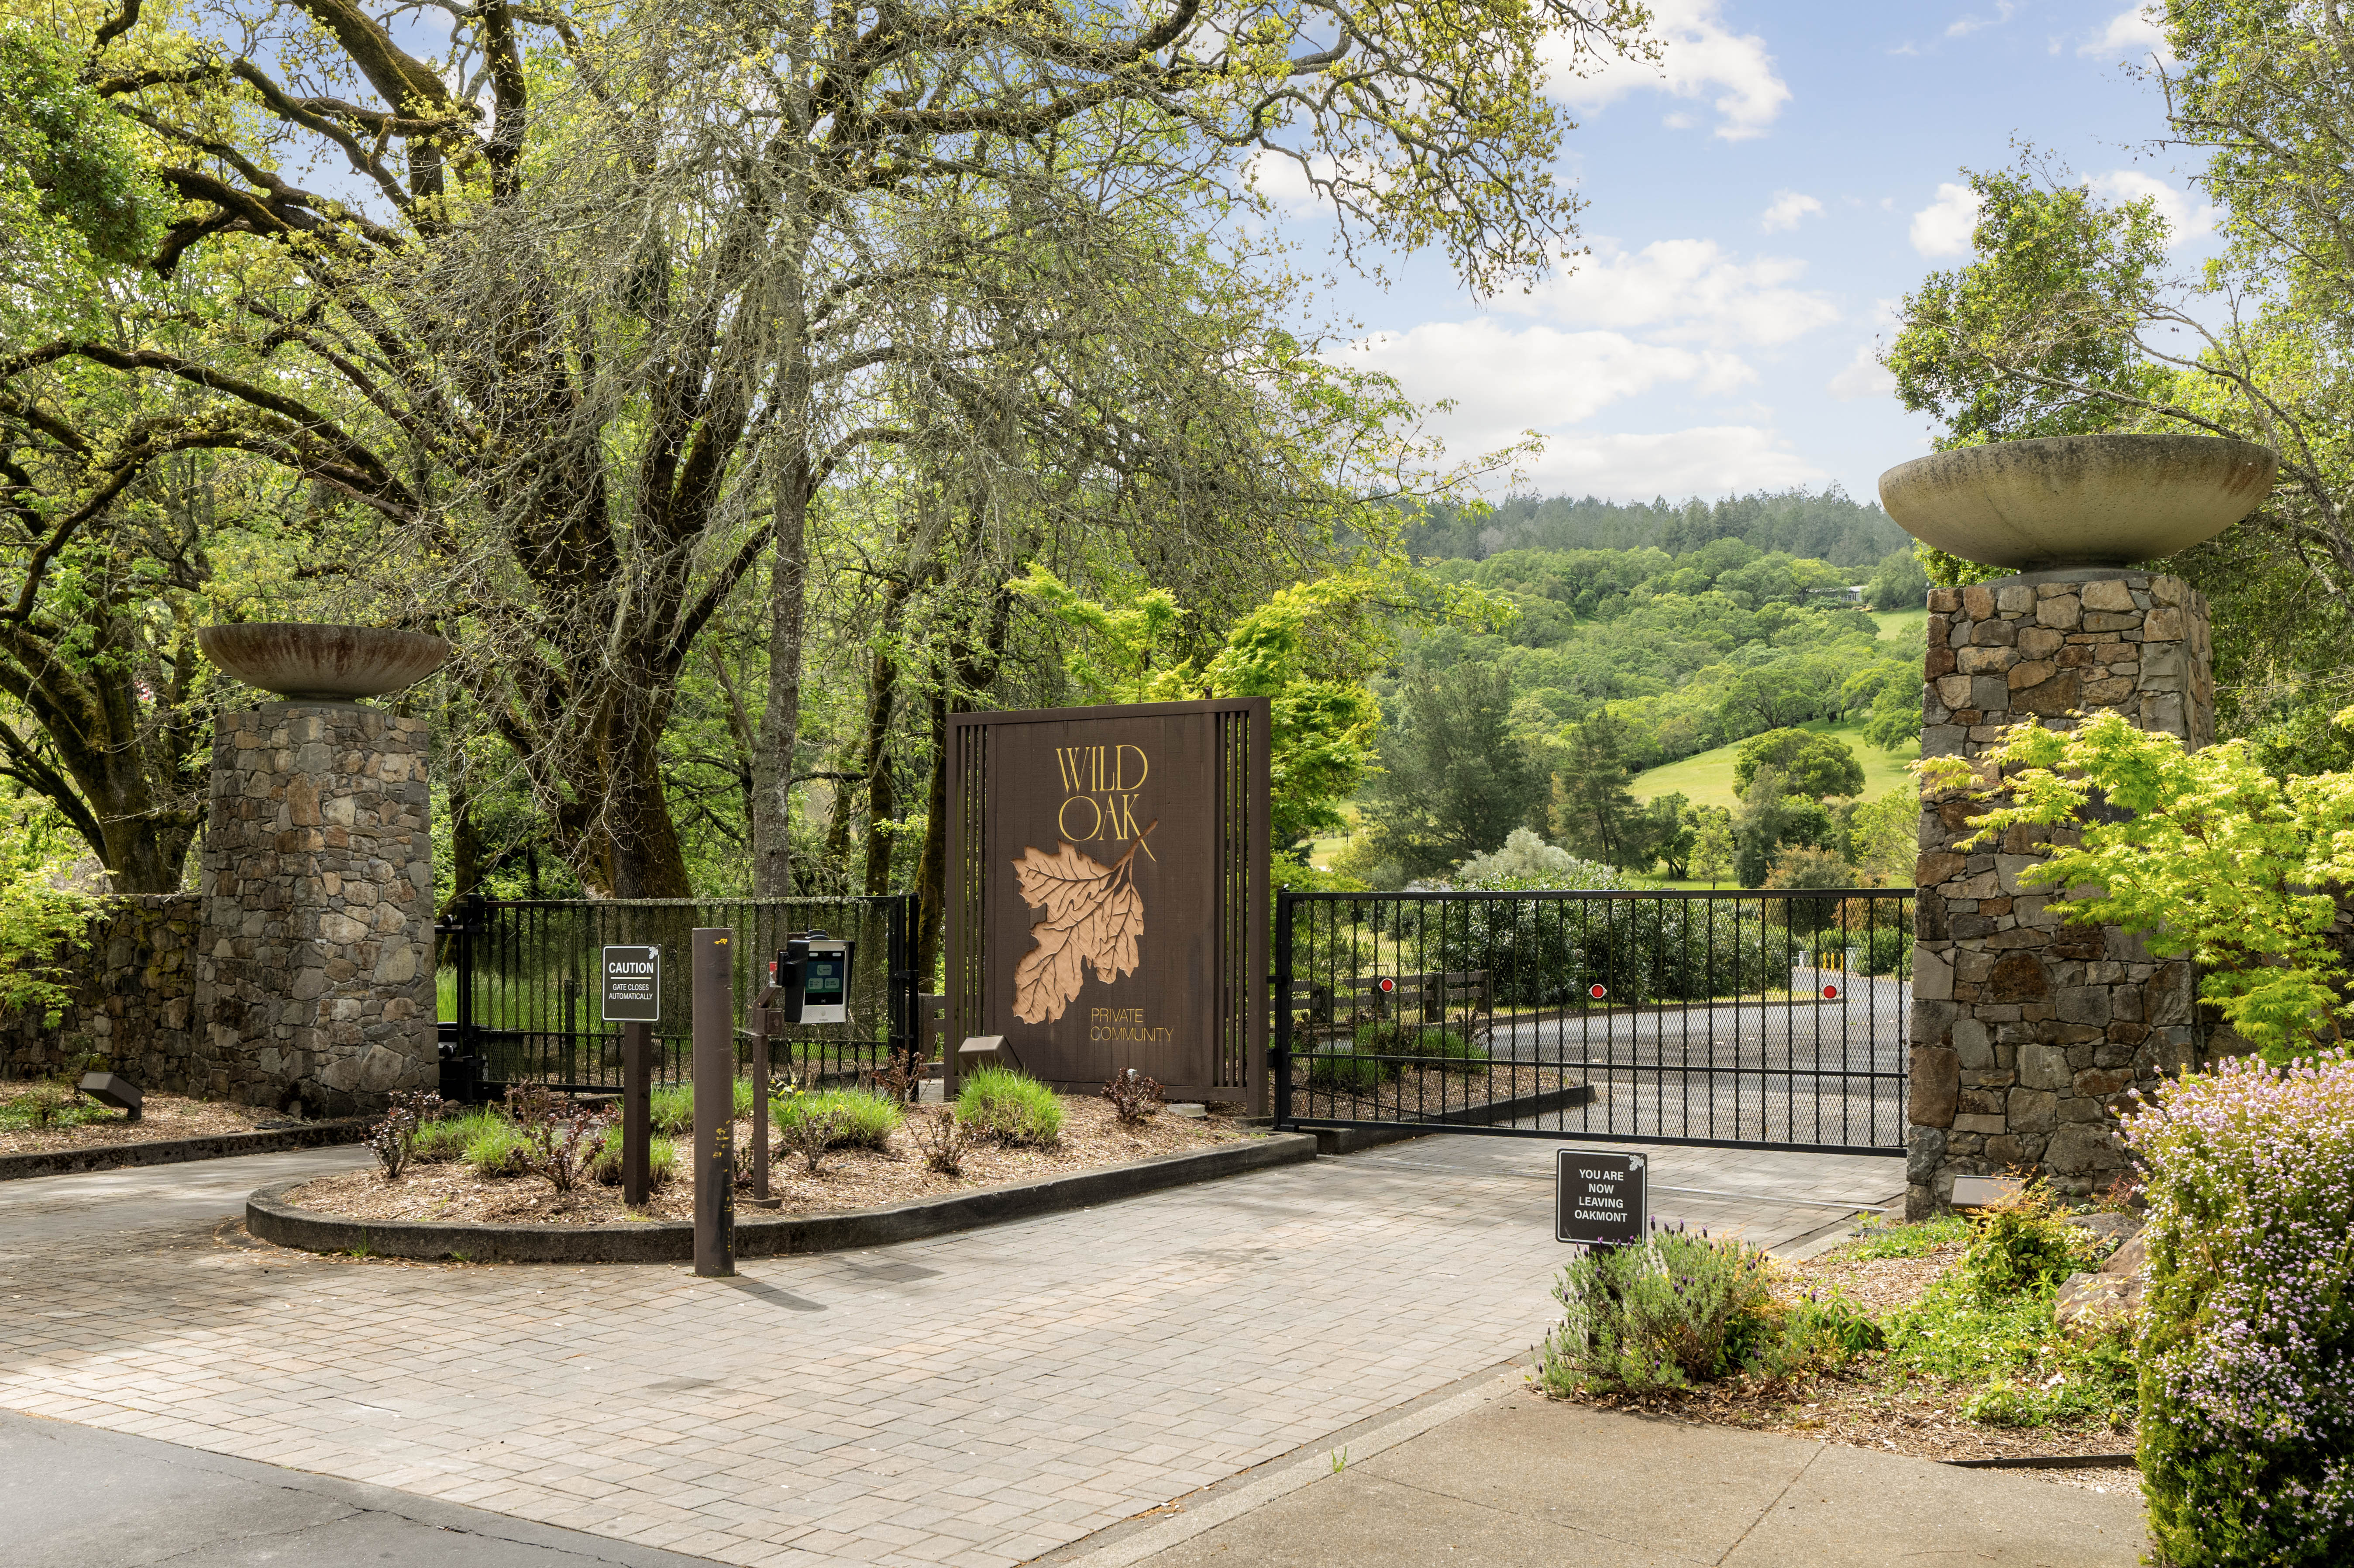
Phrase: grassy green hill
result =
(1706, 780)
(1903, 625)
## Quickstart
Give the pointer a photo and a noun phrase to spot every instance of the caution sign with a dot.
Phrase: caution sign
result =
(631, 985)
(1598, 1198)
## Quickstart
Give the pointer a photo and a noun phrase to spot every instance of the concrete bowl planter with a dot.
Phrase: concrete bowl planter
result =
(2078, 500)
(323, 663)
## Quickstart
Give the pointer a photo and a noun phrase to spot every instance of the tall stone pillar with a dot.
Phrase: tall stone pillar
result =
(2028, 1032)
(314, 975)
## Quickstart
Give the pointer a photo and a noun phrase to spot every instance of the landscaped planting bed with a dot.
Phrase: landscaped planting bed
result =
(874, 1159)
(1935, 1341)
(45, 1119)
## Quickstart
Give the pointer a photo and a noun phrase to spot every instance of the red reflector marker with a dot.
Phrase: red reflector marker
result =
(1597, 990)
(1831, 994)
(1388, 984)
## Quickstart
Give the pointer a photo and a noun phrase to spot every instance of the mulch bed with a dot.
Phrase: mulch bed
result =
(164, 1118)
(849, 1179)
(1862, 1405)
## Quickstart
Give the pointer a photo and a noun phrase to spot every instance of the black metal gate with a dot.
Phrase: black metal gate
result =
(1773, 1019)
(519, 1002)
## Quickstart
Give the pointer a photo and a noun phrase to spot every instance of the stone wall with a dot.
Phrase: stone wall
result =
(133, 1003)
(2026, 1033)
(317, 964)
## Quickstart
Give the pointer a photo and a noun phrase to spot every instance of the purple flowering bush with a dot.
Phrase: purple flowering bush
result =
(2247, 1343)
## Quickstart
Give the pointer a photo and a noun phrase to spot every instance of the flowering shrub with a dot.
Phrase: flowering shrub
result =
(1656, 1314)
(2247, 1343)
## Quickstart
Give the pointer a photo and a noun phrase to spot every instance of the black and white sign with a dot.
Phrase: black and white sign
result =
(632, 985)
(1598, 1198)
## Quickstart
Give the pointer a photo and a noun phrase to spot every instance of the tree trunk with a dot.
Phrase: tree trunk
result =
(781, 717)
(931, 866)
(648, 860)
(975, 673)
(114, 783)
(882, 797)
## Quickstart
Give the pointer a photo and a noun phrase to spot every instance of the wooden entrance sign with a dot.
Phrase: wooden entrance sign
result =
(1108, 893)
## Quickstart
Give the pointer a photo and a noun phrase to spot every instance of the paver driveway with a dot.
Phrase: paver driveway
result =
(975, 1399)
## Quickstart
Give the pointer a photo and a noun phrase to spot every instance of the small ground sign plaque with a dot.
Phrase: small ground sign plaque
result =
(1598, 1198)
(632, 985)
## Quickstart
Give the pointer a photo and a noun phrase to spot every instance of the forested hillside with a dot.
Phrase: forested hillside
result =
(1825, 527)
(1626, 637)
(1690, 650)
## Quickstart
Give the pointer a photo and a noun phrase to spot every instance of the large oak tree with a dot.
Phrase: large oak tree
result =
(568, 316)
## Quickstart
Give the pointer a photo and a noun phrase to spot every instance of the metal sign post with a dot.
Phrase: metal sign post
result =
(1598, 1198)
(715, 1101)
(763, 1017)
(630, 987)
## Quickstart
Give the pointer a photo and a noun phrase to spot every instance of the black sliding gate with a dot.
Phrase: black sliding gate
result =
(1772, 1019)
(519, 999)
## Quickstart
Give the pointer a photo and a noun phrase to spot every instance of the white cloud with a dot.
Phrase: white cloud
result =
(1707, 460)
(1965, 26)
(1943, 227)
(1862, 377)
(2183, 221)
(1503, 380)
(1686, 291)
(1788, 207)
(2132, 34)
(1701, 59)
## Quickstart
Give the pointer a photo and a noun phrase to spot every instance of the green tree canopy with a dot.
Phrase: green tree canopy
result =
(1810, 764)
(1456, 779)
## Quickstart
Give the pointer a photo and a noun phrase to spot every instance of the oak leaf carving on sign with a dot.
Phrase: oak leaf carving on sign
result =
(1094, 915)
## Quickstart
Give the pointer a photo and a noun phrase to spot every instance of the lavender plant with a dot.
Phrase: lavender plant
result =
(1656, 1315)
(2246, 1342)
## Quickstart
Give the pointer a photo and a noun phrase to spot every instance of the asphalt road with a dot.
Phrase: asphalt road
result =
(73, 1496)
(1821, 1073)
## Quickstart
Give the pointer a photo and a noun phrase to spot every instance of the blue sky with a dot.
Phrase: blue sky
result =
(1756, 211)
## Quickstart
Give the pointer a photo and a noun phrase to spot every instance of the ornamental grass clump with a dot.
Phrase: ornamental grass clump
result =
(2246, 1340)
(1001, 1104)
(605, 1164)
(857, 1119)
(498, 1149)
(448, 1137)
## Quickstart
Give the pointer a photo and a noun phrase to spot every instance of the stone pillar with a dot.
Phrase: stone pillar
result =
(2026, 1031)
(315, 970)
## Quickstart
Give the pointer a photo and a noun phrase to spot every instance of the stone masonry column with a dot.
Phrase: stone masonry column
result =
(2026, 1031)
(314, 974)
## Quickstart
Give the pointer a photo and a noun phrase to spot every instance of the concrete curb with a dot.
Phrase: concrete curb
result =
(1336, 1140)
(173, 1151)
(267, 1216)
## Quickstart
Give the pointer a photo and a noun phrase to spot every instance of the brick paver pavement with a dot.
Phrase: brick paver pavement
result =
(977, 1399)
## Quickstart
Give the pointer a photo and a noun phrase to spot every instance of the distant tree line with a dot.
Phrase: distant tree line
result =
(1826, 527)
